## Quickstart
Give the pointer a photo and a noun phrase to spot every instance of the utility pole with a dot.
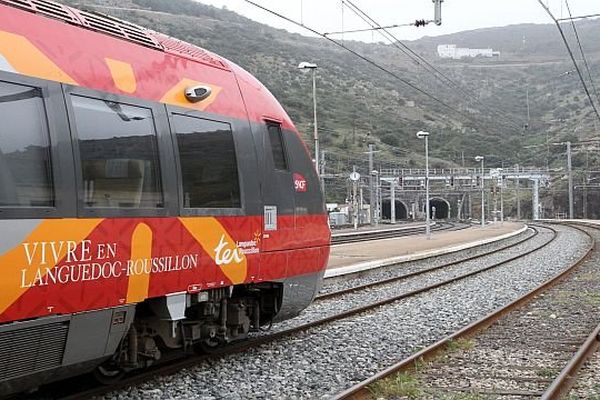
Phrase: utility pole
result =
(501, 198)
(371, 187)
(313, 68)
(586, 177)
(536, 199)
(585, 197)
(527, 96)
(481, 158)
(354, 177)
(361, 202)
(495, 193)
(428, 223)
(322, 175)
(570, 176)
(425, 135)
(438, 12)
(315, 128)
(470, 199)
(518, 194)
(393, 201)
(379, 197)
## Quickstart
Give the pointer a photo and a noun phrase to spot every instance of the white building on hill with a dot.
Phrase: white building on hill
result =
(451, 51)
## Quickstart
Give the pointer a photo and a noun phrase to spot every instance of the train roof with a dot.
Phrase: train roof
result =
(123, 46)
(122, 29)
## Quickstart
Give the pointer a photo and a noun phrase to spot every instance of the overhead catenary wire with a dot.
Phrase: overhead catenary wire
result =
(585, 62)
(373, 63)
(366, 59)
(571, 18)
(368, 29)
(566, 42)
(422, 61)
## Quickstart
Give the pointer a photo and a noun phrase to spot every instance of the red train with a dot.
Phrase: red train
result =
(154, 196)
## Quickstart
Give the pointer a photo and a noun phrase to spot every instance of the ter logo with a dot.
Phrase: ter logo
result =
(299, 183)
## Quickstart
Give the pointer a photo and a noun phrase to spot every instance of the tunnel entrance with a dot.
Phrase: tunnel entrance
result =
(386, 210)
(442, 208)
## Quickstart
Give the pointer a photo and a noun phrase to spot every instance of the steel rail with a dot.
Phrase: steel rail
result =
(568, 376)
(360, 390)
(565, 381)
(329, 295)
(236, 347)
(389, 233)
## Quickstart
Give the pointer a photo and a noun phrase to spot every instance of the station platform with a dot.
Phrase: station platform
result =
(360, 256)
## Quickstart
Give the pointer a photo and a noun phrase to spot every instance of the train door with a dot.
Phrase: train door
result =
(278, 191)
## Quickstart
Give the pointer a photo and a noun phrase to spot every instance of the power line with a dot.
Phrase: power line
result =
(562, 34)
(571, 18)
(364, 58)
(368, 29)
(582, 52)
(420, 60)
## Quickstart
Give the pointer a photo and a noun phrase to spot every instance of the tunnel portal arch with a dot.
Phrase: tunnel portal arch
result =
(442, 208)
(386, 210)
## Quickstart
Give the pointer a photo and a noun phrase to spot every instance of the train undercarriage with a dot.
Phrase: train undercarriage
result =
(200, 322)
(111, 342)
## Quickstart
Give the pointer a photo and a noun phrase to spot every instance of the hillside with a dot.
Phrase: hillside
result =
(360, 104)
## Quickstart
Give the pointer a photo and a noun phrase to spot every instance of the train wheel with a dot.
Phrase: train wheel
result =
(108, 373)
(208, 346)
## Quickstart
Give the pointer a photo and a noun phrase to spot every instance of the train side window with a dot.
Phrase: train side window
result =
(209, 173)
(118, 154)
(25, 164)
(277, 147)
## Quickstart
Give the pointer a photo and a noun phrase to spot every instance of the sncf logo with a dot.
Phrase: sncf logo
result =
(299, 183)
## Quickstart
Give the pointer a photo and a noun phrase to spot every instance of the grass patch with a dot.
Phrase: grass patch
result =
(589, 297)
(548, 373)
(401, 384)
(575, 397)
(460, 344)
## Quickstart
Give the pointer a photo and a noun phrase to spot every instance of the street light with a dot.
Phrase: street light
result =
(501, 196)
(425, 135)
(313, 68)
(481, 158)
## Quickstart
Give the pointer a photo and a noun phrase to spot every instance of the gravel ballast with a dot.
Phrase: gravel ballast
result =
(588, 380)
(524, 351)
(378, 274)
(324, 360)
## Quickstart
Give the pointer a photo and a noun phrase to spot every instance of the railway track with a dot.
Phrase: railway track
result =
(401, 276)
(531, 348)
(359, 236)
(178, 364)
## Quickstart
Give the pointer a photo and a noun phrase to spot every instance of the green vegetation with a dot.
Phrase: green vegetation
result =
(402, 384)
(575, 397)
(460, 344)
(547, 373)
(359, 104)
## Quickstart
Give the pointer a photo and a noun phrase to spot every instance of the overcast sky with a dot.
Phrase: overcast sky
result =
(457, 15)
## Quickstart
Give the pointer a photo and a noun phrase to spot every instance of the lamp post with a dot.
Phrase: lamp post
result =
(425, 135)
(501, 197)
(313, 68)
(481, 158)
